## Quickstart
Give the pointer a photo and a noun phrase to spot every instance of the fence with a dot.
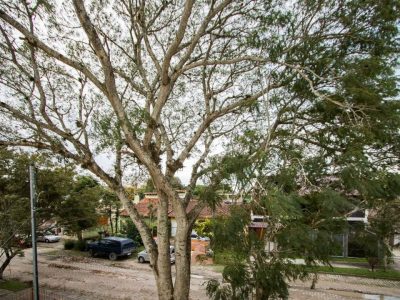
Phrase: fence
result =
(44, 294)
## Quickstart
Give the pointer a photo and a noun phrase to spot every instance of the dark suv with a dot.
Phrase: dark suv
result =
(112, 246)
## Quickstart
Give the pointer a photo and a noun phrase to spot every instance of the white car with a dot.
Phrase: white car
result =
(47, 237)
(143, 256)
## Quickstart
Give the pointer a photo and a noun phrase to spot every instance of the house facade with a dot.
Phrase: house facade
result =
(147, 208)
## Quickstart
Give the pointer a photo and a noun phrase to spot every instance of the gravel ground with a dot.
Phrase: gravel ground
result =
(98, 278)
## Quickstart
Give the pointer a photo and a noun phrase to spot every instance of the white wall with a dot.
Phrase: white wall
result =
(173, 227)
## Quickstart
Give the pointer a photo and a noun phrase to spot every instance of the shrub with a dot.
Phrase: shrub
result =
(201, 258)
(223, 257)
(69, 244)
(130, 230)
(80, 245)
(154, 230)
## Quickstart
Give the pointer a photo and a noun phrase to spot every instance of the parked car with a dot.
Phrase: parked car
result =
(195, 236)
(47, 237)
(112, 246)
(143, 256)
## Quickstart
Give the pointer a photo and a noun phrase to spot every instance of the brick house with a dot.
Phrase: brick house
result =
(147, 207)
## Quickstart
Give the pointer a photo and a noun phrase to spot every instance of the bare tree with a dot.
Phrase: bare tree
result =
(152, 84)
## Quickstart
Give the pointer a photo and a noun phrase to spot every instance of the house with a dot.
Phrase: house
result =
(147, 207)
(348, 242)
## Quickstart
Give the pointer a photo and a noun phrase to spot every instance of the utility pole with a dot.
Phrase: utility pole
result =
(32, 181)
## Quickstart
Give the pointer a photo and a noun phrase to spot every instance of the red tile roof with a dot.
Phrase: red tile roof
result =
(145, 204)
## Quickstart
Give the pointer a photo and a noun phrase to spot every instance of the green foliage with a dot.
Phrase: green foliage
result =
(15, 193)
(149, 187)
(238, 276)
(361, 272)
(304, 230)
(208, 194)
(78, 210)
(154, 230)
(176, 183)
(204, 228)
(311, 148)
(216, 291)
(228, 231)
(110, 205)
(223, 257)
(80, 245)
(13, 285)
(264, 275)
(14, 196)
(60, 195)
(271, 277)
(130, 230)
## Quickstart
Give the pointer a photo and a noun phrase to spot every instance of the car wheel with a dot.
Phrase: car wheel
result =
(112, 256)
(141, 259)
(92, 253)
(46, 241)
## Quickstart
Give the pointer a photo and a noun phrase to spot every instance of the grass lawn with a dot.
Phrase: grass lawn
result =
(349, 259)
(223, 258)
(361, 272)
(13, 285)
(91, 233)
(218, 268)
(358, 272)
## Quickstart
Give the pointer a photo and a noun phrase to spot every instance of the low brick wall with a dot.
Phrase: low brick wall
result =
(200, 246)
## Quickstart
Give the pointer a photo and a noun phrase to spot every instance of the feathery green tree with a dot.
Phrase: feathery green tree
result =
(156, 85)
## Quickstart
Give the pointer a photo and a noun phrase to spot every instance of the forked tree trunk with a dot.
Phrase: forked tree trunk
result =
(162, 269)
(160, 257)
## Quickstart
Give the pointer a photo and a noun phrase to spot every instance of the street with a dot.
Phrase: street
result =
(98, 278)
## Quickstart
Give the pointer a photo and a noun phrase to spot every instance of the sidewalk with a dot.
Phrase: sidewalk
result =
(396, 259)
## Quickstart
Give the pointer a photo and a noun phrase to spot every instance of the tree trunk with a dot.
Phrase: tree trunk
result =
(116, 220)
(111, 221)
(182, 259)
(79, 235)
(163, 266)
(314, 281)
(385, 242)
(6, 262)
